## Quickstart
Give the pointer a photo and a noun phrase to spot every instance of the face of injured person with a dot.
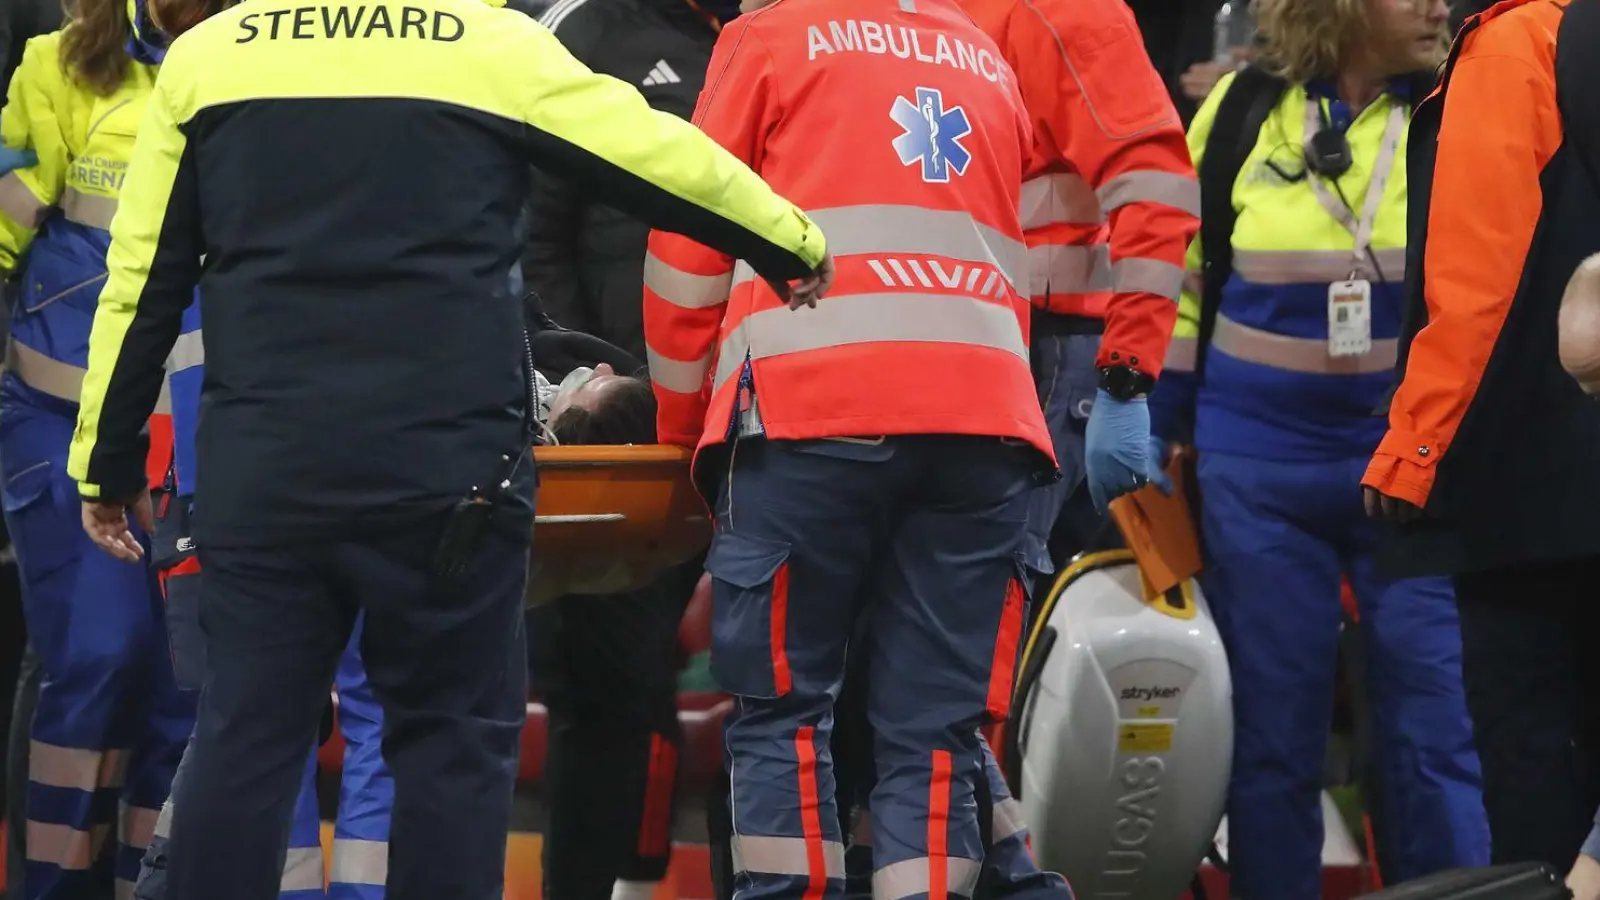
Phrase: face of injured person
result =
(586, 388)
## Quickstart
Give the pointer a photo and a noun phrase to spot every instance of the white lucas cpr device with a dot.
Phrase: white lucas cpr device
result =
(1126, 732)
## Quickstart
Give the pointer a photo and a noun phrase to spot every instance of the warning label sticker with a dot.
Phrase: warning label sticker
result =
(1144, 737)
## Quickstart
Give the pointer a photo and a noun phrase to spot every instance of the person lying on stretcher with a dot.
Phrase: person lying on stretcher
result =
(583, 399)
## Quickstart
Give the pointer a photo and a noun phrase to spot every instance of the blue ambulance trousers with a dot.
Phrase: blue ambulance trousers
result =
(110, 724)
(1063, 370)
(361, 830)
(922, 535)
(1278, 536)
(447, 661)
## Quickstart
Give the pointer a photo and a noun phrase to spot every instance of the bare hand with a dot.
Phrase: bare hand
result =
(106, 523)
(807, 291)
(1389, 509)
(1584, 880)
(1201, 78)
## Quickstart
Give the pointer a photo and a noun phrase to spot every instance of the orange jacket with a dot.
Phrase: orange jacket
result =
(1111, 201)
(1500, 128)
(897, 127)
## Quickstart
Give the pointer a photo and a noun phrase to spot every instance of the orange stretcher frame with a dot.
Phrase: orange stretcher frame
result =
(612, 518)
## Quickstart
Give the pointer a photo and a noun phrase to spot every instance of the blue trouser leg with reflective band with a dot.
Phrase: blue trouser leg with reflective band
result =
(1063, 367)
(1278, 537)
(366, 793)
(928, 531)
(111, 723)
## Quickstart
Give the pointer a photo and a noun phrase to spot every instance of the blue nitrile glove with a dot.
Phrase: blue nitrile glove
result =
(17, 159)
(1117, 449)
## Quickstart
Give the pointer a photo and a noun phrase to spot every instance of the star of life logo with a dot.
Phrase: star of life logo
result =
(932, 135)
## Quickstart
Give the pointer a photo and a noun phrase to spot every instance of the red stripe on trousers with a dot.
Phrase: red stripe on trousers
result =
(781, 679)
(1003, 672)
(805, 752)
(655, 825)
(190, 566)
(939, 827)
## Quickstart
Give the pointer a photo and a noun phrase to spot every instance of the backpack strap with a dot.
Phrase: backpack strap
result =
(1243, 110)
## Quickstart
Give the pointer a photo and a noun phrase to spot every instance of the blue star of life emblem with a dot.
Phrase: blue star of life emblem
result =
(932, 135)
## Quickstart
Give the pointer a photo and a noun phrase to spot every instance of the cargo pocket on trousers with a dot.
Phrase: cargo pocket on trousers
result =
(749, 614)
(1009, 639)
(45, 541)
(187, 644)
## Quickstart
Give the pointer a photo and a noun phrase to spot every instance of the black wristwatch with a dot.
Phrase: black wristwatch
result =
(1125, 382)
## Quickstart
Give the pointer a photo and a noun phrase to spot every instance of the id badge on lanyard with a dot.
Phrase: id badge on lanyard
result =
(1350, 300)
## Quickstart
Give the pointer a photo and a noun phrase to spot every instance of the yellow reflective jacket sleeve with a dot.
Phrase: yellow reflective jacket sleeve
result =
(600, 132)
(153, 265)
(36, 117)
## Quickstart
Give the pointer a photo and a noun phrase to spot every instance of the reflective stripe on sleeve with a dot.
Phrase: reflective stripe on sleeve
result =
(302, 870)
(1007, 820)
(1151, 186)
(18, 203)
(1298, 354)
(1069, 269)
(1181, 354)
(65, 847)
(1139, 275)
(911, 877)
(867, 318)
(676, 375)
(92, 210)
(1059, 198)
(188, 352)
(1313, 266)
(783, 855)
(75, 769)
(686, 289)
(359, 862)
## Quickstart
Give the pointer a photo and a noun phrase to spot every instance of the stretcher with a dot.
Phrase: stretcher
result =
(610, 519)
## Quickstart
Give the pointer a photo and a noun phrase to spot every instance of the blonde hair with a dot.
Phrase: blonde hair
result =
(1305, 39)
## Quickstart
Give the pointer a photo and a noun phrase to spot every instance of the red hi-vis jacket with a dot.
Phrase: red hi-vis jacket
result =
(898, 128)
(1111, 201)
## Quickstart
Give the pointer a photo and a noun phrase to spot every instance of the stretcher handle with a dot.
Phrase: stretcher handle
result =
(590, 519)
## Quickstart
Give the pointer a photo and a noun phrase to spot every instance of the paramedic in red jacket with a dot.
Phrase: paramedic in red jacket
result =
(1110, 204)
(882, 444)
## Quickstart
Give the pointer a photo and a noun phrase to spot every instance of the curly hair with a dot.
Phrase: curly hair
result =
(1305, 39)
(92, 51)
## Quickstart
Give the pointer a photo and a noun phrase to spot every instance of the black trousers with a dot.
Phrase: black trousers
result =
(447, 660)
(1532, 676)
(606, 668)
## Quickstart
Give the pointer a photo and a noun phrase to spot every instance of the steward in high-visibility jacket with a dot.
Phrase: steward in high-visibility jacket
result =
(1492, 457)
(874, 454)
(108, 700)
(1109, 204)
(1282, 414)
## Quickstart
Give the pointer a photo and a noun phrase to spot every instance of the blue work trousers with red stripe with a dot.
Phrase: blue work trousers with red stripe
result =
(924, 537)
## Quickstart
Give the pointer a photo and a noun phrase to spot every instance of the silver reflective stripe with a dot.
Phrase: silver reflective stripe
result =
(883, 228)
(1059, 198)
(909, 878)
(686, 289)
(63, 381)
(1169, 189)
(164, 401)
(18, 203)
(1007, 821)
(1181, 354)
(1139, 275)
(302, 870)
(135, 825)
(360, 862)
(1298, 354)
(870, 318)
(676, 375)
(1314, 266)
(784, 856)
(1069, 269)
(92, 210)
(164, 821)
(188, 352)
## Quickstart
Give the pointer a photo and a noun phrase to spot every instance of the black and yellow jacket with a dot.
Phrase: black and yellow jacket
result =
(341, 181)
